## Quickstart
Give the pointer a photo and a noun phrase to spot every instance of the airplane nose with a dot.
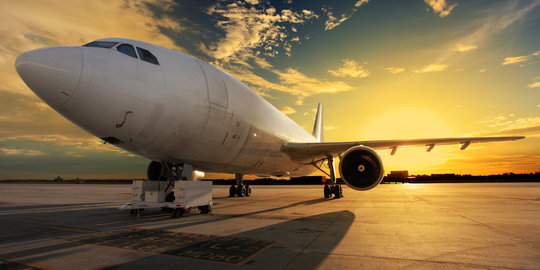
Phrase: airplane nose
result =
(51, 73)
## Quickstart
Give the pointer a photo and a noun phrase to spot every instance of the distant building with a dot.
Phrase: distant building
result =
(398, 174)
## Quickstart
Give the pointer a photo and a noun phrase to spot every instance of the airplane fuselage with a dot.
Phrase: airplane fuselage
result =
(181, 110)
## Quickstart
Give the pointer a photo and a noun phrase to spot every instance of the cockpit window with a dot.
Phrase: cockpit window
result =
(147, 56)
(127, 49)
(101, 44)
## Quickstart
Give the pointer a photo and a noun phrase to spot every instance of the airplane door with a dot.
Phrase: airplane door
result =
(217, 91)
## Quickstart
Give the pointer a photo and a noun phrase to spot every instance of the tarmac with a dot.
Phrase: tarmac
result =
(419, 226)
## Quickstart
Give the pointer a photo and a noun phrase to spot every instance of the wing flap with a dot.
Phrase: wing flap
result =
(310, 151)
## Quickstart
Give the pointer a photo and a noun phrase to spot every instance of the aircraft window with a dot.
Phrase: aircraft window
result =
(147, 56)
(101, 44)
(127, 49)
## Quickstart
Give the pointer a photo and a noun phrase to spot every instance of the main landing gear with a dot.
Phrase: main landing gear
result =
(331, 188)
(239, 189)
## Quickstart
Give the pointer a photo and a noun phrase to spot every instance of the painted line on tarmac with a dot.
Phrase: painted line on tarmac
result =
(68, 229)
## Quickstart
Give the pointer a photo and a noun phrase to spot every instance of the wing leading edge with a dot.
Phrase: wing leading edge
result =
(311, 151)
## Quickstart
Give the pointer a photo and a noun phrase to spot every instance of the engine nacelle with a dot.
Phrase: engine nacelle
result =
(361, 168)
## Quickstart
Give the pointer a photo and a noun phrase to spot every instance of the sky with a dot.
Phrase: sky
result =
(382, 70)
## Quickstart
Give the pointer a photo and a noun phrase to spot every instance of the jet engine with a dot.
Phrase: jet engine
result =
(361, 168)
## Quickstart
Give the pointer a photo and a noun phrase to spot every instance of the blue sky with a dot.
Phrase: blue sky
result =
(382, 69)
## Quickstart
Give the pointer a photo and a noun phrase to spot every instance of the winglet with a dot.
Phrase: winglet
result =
(318, 127)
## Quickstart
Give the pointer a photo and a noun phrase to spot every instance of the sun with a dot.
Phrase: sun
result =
(407, 123)
(411, 123)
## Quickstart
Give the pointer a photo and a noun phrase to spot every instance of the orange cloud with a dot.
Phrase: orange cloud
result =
(395, 70)
(287, 110)
(464, 48)
(73, 24)
(432, 68)
(350, 68)
(440, 7)
(520, 59)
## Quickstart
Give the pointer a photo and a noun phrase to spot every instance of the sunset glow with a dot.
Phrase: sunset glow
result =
(381, 69)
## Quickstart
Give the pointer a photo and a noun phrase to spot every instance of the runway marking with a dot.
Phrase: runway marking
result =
(69, 229)
(210, 248)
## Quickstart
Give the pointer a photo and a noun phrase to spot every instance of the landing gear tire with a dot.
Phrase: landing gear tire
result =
(327, 192)
(248, 191)
(241, 191)
(338, 191)
(232, 191)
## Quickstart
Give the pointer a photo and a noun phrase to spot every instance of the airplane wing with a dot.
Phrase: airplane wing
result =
(312, 151)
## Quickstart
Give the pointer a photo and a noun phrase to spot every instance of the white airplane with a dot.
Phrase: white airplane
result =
(188, 116)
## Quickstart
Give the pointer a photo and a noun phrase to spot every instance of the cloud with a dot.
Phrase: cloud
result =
(350, 68)
(394, 70)
(534, 85)
(287, 110)
(432, 68)
(499, 17)
(440, 7)
(248, 28)
(290, 81)
(464, 48)
(506, 125)
(299, 84)
(26, 158)
(361, 2)
(73, 24)
(19, 152)
(334, 21)
(520, 59)
(491, 164)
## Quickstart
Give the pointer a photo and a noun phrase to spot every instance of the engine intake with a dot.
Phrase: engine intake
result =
(361, 168)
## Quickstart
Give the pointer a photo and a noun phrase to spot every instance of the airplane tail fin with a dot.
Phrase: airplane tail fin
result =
(318, 127)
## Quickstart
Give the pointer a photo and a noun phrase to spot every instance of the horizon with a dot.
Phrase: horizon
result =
(381, 69)
(274, 177)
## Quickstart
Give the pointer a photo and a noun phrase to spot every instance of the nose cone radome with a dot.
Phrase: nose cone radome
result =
(52, 73)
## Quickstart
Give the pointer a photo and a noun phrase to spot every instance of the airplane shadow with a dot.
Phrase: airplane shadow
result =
(299, 242)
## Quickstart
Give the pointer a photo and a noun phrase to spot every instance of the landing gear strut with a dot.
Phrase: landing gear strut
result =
(332, 187)
(239, 189)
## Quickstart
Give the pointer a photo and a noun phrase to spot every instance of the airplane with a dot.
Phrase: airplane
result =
(188, 116)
